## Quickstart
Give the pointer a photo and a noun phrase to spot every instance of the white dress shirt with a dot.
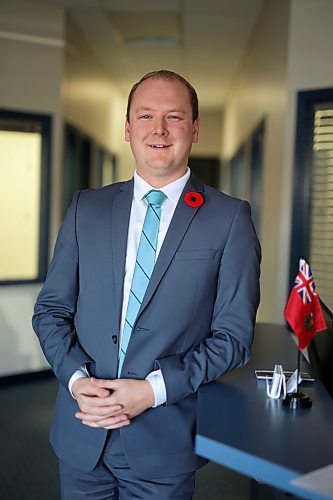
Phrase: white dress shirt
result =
(138, 212)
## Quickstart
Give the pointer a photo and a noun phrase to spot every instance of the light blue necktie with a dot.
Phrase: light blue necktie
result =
(144, 265)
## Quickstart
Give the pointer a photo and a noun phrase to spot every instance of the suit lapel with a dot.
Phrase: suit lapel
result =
(120, 221)
(179, 225)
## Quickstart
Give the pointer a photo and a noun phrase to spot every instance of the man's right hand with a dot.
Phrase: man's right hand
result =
(94, 403)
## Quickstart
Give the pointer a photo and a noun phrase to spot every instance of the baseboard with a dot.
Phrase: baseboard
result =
(21, 378)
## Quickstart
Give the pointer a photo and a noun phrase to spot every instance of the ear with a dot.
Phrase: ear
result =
(127, 131)
(195, 136)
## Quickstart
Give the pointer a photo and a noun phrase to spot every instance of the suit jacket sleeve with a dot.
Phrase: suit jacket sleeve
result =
(228, 344)
(53, 319)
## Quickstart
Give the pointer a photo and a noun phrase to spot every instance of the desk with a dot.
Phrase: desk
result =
(241, 428)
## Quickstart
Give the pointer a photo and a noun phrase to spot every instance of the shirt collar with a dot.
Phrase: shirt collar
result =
(172, 190)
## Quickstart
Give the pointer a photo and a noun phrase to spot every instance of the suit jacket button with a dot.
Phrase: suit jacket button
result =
(114, 339)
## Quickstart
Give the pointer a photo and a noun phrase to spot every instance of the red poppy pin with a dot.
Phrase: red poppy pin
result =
(193, 199)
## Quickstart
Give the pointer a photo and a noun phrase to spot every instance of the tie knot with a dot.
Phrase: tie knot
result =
(155, 197)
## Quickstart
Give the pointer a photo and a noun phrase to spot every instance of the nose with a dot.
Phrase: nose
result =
(160, 127)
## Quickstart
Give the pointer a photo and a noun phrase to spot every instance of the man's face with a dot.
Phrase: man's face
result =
(161, 130)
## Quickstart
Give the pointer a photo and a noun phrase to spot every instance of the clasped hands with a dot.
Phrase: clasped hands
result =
(111, 404)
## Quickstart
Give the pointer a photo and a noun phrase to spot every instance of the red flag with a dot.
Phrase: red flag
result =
(303, 311)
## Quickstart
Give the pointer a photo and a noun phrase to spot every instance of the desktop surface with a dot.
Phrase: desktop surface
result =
(241, 428)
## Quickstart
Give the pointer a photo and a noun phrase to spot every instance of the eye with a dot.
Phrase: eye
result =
(174, 118)
(145, 117)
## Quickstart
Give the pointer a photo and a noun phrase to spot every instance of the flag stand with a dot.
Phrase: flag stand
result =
(304, 315)
(295, 400)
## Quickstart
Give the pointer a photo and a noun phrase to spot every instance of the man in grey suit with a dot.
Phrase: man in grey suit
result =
(125, 414)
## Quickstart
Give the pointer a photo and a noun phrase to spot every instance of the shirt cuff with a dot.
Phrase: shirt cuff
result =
(157, 382)
(80, 373)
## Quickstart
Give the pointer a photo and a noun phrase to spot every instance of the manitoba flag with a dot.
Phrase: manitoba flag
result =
(303, 311)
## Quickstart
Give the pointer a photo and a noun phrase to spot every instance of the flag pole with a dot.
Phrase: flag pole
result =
(305, 317)
(295, 400)
(298, 368)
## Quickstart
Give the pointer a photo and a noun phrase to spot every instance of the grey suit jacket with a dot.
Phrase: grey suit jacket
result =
(196, 321)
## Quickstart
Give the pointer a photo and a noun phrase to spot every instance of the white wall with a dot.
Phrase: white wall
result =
(20, 350)
(43, 73)
(92, 102)
(260, 92)
(285, 55)
(210, 131)
(31, 55)
(309, 68)
(291, 51)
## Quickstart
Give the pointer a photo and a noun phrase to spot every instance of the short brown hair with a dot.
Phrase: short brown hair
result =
(164, 74)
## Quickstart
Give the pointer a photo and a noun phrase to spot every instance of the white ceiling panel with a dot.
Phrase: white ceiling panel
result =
(142, 5)
(148, 25)
(238, 8)
(208, 31)
(204, 40)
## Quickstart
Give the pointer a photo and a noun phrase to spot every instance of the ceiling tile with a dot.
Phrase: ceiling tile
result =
(204, 40)
(142, 5)
(152, 25)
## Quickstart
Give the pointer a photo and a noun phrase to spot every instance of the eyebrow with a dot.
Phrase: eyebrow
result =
(144, 108)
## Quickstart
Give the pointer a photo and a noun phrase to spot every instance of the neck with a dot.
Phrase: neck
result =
(160, 182)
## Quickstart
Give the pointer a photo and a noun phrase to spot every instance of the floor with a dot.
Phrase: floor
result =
(28, 467)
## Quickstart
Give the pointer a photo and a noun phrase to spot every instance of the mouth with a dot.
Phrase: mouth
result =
(159, 146)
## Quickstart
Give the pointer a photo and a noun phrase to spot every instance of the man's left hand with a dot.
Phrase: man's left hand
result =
(134, 397)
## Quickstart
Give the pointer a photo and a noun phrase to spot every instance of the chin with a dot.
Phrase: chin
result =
(160, 167)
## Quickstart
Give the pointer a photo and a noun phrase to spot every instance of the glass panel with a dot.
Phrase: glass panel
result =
(20, 178)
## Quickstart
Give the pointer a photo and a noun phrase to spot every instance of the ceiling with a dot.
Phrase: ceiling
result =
(204, 40)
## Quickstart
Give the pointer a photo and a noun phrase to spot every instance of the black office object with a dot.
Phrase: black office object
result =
(321, 351)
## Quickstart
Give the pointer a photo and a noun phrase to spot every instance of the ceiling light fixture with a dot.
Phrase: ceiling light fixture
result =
(153, 42)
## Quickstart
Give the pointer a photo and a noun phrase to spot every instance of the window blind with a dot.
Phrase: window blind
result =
(321, 203)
